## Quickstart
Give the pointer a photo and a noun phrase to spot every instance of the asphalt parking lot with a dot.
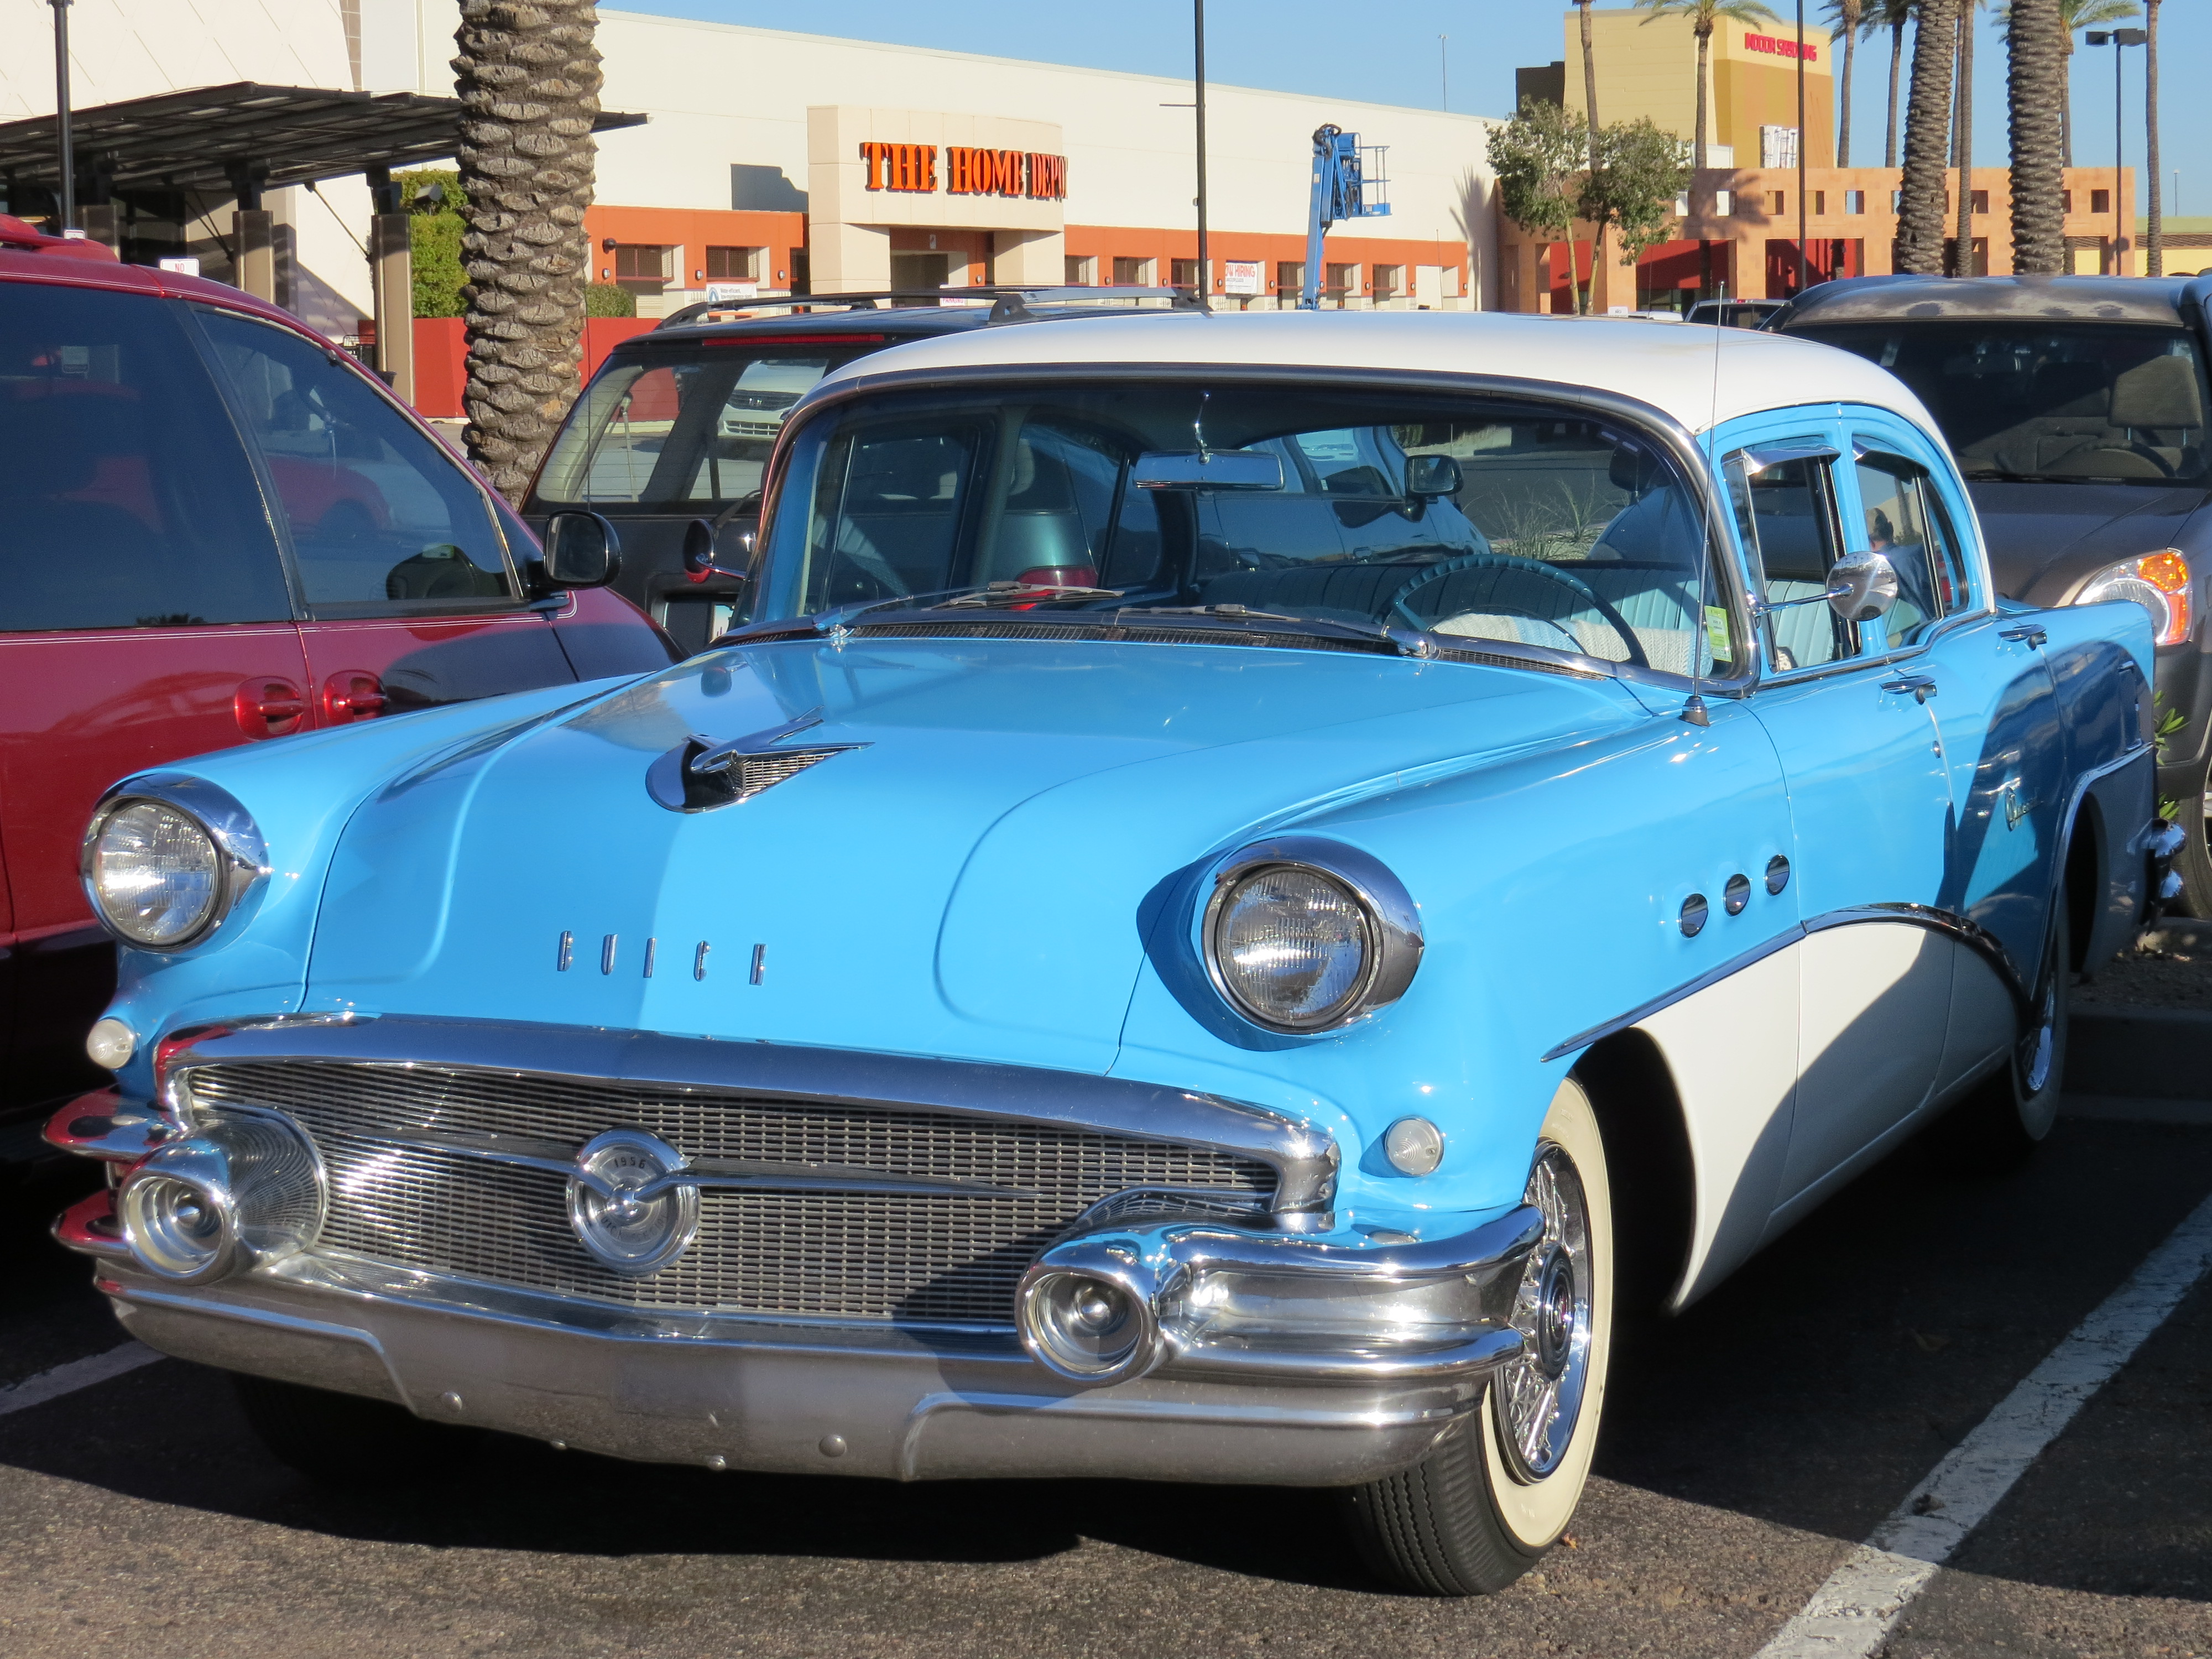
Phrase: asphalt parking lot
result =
(1750, 1444)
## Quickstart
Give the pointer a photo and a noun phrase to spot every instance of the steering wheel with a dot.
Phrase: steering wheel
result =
(1581, 589)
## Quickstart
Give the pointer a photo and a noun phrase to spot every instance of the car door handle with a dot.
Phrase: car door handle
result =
(2028, 633)
(269, 708)
(1922, 686)
(353, 694)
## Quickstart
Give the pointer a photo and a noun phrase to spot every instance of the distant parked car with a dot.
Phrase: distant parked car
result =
(1484, 847)
(214, 529)
(2077, 408)
(678, 424)
(1733, 314)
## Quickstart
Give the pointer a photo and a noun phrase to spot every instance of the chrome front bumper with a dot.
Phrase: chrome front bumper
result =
(902, 1404)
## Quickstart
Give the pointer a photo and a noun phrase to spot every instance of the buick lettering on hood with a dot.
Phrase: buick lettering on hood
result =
(1250, 884)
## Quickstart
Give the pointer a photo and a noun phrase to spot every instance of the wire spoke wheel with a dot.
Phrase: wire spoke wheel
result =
(1539, 1397)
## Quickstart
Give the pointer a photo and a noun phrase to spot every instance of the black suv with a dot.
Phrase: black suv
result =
(678, 424)
(2077, 408)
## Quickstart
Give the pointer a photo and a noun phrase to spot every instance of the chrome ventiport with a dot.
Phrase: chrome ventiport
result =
(1694, 912)
(243, 1190)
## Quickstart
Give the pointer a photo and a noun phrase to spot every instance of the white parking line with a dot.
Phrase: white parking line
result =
(77, 1374)
(1850, 1616)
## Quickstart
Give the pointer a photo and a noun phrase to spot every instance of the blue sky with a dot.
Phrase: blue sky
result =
(1388, 53)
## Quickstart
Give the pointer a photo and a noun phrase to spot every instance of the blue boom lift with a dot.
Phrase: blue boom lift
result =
(1342, 189)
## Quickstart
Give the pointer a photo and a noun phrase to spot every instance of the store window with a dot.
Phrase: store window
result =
(1186, 273)
(1854, 201)
(1819, 201)
(1981, 201)
(2101, 201)
(1082, 271)
(735, 264)
(641, 268)
(1134, 272)
(1389, 283)
(1342, 280)
(1778, 203)
(1290, 278)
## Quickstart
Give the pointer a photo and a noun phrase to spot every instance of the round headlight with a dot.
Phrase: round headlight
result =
(155, 873)
(1293, 945)
(1304, 933)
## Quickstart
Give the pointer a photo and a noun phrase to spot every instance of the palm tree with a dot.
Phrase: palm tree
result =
(528, 78)
(1927, 133)
(2034, 32)
(1893, 15)
(1845, 15)
(2074, 16)
(1962, 141)
(1705, 15)
(2155, 241)
(1589, 100)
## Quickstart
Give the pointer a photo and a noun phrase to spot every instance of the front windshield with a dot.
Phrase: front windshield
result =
(1536, 527)
(683, 430)
(2076, 402)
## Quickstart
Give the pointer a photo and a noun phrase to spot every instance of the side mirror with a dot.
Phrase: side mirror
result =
(581, 550)
(699, 537)
(1862, 586)
(1431, 475)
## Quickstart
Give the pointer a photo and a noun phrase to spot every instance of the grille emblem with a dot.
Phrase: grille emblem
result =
(700, 774)
(630, 1203)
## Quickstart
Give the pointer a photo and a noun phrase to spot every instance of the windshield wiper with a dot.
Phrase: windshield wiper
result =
(1405, 642)
(976, 594)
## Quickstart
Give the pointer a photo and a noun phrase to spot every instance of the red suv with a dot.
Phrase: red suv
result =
(215, 528)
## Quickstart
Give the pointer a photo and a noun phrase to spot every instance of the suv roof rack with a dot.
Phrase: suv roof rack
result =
(1008, 304)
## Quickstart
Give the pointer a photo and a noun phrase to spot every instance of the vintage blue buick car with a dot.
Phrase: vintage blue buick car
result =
(1481, 822)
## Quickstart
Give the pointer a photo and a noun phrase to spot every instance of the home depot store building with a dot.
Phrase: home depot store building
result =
(801, 160)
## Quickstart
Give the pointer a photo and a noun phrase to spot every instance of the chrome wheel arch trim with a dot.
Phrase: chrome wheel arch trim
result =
(1304, 1154)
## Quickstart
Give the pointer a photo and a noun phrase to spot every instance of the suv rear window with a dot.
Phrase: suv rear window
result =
(688, 433)
(2076, 402)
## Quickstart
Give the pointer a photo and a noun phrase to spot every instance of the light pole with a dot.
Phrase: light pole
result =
(2115, 38)
(1204, 266)
(62, 112)
(1802, 271)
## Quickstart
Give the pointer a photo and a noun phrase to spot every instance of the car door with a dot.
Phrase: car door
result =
(144, 614)
(1995, 707)
(410, 592)
(1868, 804)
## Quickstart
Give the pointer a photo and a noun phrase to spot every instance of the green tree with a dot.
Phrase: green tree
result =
(431, 197)
(528, 77)
(1705, 16)
(1641, 170)
(609, 299)
(1927, 138)
(1538, 157)
(1846, 15)
(2035, 59)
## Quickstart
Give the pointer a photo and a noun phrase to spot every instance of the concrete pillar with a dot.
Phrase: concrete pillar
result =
(98, 224)
(847, 259)
(253, 240)
(391, 278)
(1029, 258)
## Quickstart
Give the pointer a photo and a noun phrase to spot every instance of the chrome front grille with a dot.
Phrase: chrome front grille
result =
(951, 1255)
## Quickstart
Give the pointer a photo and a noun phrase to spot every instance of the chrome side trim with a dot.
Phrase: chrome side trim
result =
(1304, 1154)
(1442, 1362)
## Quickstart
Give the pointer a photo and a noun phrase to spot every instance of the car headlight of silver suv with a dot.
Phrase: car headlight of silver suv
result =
(166, 858)
(2160, 582)
(1304, 934)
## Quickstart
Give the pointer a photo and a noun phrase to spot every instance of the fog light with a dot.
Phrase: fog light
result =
(1414, 1146)
(1087, 1325)
(623, 1208)
(111, 1043)
(244, 1191)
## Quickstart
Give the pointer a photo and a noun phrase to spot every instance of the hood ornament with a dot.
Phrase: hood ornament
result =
(700, 774)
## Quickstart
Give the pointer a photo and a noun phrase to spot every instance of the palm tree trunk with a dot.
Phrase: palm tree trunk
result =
(1896, 57)
(2155, 239)
(2066, 96)
(2035, 61)
(1927, 129)
(1704, 49)
(528, 77)
(1963, 263)
(1844, 123)
(1590, 103)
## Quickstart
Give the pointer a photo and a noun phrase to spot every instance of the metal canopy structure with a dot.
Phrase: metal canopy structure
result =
(210, 137)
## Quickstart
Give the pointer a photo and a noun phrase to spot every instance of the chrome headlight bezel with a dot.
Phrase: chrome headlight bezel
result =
(241, 855)
(1393, 927)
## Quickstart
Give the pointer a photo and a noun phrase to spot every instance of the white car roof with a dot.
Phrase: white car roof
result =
(1699, 375)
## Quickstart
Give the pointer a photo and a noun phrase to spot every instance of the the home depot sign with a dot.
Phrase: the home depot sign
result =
(968, 171)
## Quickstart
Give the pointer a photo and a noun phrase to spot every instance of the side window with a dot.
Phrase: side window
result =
(1785, 512)
(381, 518)
(127, 498)
(1904, 524)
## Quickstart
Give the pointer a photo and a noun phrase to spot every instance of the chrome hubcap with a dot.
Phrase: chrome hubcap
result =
(1540, 1396)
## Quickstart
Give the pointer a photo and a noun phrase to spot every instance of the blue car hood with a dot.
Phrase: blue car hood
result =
(972, 882)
